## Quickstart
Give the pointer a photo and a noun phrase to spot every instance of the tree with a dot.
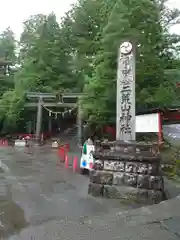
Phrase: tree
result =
(8, 46)
(30, 34)
(11, 105)
(80, 55)
(140, 21)
(10, 102)
(7, 60)
(171, 49)
(45, 64)
(82, 32)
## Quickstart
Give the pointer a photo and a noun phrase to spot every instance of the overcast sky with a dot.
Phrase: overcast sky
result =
(14, 12)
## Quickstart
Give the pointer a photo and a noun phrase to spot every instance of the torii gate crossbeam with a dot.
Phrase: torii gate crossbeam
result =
(40, 96)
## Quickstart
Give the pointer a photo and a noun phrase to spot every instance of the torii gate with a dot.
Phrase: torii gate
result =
(42, 96)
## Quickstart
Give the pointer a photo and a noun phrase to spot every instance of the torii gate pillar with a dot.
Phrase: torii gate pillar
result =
(38, 120)
(79, 123)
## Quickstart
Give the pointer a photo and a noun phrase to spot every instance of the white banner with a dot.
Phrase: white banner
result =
(147, 123)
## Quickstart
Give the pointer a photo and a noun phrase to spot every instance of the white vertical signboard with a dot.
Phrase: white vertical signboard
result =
(125, 102)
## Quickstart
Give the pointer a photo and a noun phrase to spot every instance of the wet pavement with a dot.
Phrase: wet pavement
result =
(40, 199)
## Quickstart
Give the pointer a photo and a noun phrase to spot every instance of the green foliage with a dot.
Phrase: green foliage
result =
(45, 64)
(7, 59)
(173, 161)
(80, 54)
(12, 104)
(155, 61)
(7, 46)
(11, 101)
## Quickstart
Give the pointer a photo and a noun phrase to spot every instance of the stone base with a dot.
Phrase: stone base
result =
(126, 194)
(127, 171)
(101, 177)
(95, 189)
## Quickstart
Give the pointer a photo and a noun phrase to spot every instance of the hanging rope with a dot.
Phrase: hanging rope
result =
(57, 112)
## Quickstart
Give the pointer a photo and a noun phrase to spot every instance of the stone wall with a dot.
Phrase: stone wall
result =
(130, 172)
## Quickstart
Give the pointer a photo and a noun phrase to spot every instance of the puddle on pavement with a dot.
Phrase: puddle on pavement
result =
(12, 217)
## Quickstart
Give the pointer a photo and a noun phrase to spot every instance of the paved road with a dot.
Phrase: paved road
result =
(40, 199)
